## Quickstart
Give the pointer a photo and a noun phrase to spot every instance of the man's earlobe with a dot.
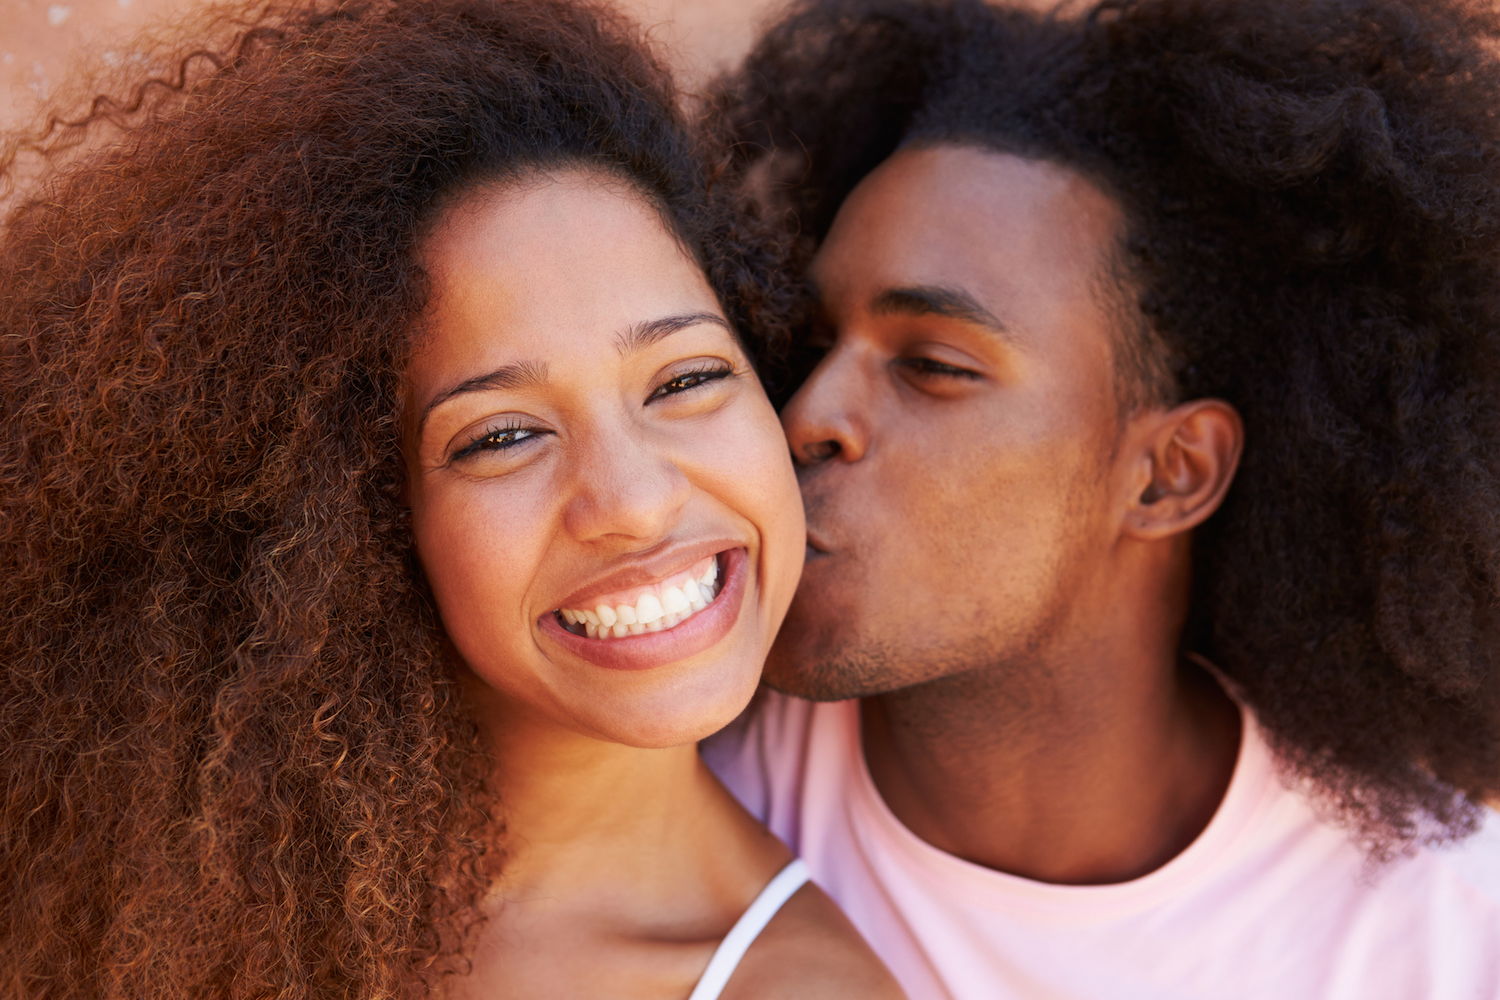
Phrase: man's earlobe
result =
(1188, 460)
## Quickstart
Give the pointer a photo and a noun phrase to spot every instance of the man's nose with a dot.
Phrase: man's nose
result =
(626, 488)
(828, 417)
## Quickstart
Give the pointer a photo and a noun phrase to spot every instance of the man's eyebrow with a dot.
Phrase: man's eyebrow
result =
(648, 332)
(520, 375)
(937, 300)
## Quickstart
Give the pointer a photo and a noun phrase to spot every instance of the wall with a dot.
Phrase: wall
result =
(41, 41)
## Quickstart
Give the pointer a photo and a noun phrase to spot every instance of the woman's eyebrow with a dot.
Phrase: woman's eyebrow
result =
(518, 375)
(530, 374)
(648, 332)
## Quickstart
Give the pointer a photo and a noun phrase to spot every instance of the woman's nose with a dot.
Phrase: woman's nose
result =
(625, 487)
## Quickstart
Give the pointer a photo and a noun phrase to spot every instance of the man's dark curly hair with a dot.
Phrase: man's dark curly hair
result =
(1312, 201)
(235, 763)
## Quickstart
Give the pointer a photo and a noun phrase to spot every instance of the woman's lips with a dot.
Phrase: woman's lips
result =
(662, 604)
(685, 639)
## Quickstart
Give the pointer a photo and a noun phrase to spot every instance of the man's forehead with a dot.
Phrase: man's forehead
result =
(997, 225)
(939, 198)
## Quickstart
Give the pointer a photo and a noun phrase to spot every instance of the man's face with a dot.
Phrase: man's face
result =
(957, 442)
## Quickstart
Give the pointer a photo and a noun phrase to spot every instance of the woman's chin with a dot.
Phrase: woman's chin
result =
(678, 717)
(672, 705)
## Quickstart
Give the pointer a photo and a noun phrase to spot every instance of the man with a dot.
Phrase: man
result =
(1152, 489)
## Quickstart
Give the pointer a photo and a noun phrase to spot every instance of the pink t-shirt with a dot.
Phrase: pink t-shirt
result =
(1270, 902)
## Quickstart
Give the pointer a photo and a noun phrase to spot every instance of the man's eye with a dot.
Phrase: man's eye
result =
(938, 369)
(690, 380)
(497, 439)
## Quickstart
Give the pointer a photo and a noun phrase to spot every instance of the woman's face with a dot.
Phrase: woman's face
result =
(601, 496)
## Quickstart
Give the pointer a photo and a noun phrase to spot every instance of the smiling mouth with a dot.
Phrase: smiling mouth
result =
(653, 608)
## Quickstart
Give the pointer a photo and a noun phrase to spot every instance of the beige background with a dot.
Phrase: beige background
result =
(43, 41)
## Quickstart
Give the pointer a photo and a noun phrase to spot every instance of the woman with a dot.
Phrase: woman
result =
(389, 504)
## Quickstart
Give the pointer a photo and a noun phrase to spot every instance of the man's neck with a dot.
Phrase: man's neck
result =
(1100, 784)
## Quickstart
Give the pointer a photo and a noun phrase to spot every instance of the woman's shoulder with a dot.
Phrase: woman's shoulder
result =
(811, 951)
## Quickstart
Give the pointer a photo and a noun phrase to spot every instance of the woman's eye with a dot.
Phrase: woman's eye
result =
(939, 369)
(497, 439)
(690, 380)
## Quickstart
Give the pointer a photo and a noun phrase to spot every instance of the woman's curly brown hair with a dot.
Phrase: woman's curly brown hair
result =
(235, 759)
(1312, 194)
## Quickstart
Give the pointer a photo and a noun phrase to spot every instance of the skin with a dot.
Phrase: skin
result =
(596, 452)
(998, 549)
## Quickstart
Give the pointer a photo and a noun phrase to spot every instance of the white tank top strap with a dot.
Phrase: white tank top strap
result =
(745, 930)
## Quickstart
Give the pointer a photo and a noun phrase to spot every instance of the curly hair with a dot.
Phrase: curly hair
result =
(1312, 200)
(236, 761)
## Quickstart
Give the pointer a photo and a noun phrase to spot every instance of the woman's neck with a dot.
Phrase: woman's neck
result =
(586, 818)
(576, 808)
(636, 858)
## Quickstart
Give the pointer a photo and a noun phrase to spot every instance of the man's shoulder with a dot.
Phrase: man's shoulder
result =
(773, 722)
(767, 710)
(1471, 865)
(1300, 845)
(764, 757)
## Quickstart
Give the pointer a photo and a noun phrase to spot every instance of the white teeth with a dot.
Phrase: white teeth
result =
(648, 609)
(653, 611)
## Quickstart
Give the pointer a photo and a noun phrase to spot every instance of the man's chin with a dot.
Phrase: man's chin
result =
(809, 688)
(819, 670)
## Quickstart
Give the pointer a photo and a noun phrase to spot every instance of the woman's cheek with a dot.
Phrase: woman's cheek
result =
(790, 533)
(754, 464)
(475, 545)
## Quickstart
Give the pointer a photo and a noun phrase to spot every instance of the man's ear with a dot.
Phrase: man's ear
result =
(1187, 457)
